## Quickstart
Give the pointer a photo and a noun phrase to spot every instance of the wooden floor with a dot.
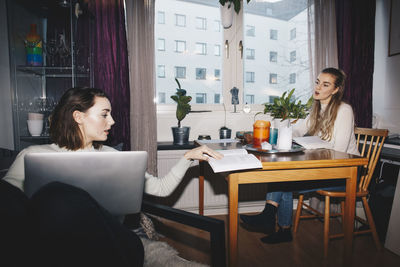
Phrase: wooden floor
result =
(305, 250)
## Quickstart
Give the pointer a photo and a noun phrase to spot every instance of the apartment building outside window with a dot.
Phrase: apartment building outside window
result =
(293, 34)
(201, 48)
(201, 23)
(180, 72)
(180, 46)
(180, 20)
(292, 56)
(292, 78)
(161, 71)
(161, 17)
(217, 74)
(161, 98)
(250, 76)
(250, 30)
(161, 44)
(217, 98)
(249, 99)
(201, 98)
(273, 78)
(217, 25)
(273, 56)
(273, 34)
(201, 73)
(250, 53)
(217, 50)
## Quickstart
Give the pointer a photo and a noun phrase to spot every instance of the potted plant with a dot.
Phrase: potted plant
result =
(286, 111)
(181, 134)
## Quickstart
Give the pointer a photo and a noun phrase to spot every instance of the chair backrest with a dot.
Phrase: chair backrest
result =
(369, 143)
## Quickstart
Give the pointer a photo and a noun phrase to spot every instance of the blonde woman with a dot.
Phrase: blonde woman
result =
(332, 120)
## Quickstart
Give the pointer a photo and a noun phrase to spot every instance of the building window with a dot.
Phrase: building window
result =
(273, 56)
(273, 34)
(217, 50)
(161, 44)
(180, 20)
(161, 71)
(250, 30)
(161, 98)
(201, 23)
(180, 46)
(201, 73)
(272, 98)
(269, 11)
(250, 76)
(292, 56)
(217, 74)
(180, 72)
(250, 53)
(292, 78)
(217, 25)
(201, 48)
(161, 17)
(293, 34)
(249, 99)
(217, 98)
(201, 98)
(273, 78)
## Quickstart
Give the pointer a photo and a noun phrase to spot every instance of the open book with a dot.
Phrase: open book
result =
(311, 142)
(234, 159)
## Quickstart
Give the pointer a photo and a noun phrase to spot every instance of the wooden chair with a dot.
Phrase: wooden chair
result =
(370, 143)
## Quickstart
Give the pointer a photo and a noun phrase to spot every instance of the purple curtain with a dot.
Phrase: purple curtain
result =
(356, 37)
(110, 64)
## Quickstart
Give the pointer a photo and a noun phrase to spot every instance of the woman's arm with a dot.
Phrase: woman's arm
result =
(343, 128)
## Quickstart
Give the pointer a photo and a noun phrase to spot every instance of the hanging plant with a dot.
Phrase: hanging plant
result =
(236, 4)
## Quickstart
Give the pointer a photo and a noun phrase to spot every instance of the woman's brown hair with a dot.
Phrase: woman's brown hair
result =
(64, 130)
(324, 123)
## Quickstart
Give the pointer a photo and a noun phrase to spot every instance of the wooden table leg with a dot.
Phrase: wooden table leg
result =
(201, 188)
(233, 218)
(350, 205)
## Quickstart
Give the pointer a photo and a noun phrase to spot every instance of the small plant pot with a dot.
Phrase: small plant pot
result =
(180, 135)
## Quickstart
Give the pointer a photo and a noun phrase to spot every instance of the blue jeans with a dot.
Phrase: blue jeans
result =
(285, 208)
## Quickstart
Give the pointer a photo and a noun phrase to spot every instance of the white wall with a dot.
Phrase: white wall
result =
(6, 125)
(386, 84)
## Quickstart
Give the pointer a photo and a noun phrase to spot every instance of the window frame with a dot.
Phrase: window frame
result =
(177, 22)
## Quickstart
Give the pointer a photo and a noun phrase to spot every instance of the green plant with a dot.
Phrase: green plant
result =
(285, 107)
(182, 100)
(236, 4)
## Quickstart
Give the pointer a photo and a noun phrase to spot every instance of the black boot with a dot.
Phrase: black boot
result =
(283, 235)
(263, 222)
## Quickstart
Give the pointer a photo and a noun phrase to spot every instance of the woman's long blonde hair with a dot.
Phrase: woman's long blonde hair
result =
(323, 123)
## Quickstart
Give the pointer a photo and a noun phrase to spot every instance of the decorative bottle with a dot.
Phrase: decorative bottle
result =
(33, 47)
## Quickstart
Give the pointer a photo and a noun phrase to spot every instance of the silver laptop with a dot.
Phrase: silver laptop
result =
(114, 179)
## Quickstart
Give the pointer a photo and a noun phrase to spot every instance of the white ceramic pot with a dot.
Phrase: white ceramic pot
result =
(35, 127)
(227, 12)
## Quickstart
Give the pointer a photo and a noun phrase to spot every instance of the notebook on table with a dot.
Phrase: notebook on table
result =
(114, 179)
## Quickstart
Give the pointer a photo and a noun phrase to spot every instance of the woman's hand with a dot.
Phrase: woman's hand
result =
(200, 153)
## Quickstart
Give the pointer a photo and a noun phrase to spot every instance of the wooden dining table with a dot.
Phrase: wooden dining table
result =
(307, 165)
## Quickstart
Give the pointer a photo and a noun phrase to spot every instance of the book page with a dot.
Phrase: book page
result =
(312, 142)
(235, 162)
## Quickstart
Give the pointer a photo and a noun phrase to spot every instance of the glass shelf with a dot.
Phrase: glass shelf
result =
(54, 72)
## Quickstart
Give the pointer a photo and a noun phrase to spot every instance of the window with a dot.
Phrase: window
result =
(250, 53)
(293, 34)
(161, 17)
(161, 71)
(180, 46)
(269, 11)
(200, 73)
(180, 20)
(161, 44)
(292, 56)
(161, 98)
(250, 30)
(217, 74)
(250, 77)
(180, 72)
(272, 98)
(273, 34)
(217, 50)
(201, 23)
(201, 48)
(217, 98)
(217, 25)
(249, 99)
(273, 56)
(273, 78)
(201, 98)
(292, 78)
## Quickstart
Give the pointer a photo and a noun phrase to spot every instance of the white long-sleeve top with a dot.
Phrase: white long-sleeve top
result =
(343, 138)
(153, 185)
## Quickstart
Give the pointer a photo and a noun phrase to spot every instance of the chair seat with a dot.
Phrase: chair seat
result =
(341, 193)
